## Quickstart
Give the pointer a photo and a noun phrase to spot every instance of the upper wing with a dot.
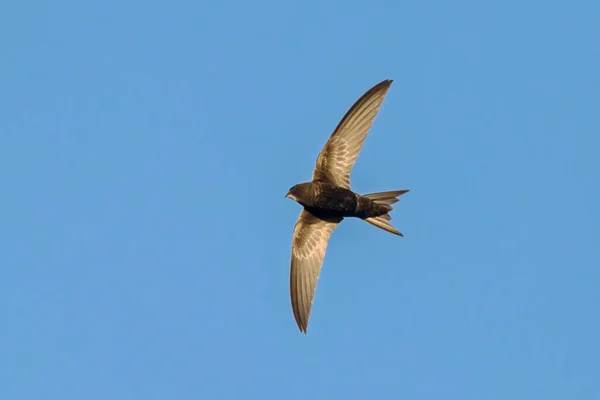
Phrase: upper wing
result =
(341, 150)
(311, 235)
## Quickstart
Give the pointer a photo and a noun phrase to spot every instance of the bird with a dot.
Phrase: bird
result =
(327, 199)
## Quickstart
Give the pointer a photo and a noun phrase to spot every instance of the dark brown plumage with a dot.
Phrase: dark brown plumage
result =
(328, 199)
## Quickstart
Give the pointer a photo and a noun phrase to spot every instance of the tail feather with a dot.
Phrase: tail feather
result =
(385, 199)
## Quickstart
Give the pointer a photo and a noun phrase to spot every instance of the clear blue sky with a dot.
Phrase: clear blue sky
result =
(146, 148)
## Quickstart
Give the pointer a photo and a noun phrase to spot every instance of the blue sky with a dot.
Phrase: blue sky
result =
(146, 148)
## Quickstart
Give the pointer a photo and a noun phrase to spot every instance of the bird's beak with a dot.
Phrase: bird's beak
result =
(290, 196)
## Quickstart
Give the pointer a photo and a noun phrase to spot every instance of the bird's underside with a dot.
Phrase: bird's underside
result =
(324, 200)
(328, 199)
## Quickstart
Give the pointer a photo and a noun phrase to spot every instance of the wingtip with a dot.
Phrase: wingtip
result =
(396, 232)
(385, 82)
(302, 325)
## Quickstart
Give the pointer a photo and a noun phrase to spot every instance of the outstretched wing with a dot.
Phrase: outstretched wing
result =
(341, 150)
(309, 244)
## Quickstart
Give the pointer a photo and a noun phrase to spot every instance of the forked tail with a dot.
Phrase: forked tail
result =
(385, 199)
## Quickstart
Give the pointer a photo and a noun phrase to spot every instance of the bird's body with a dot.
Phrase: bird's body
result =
(328, 199)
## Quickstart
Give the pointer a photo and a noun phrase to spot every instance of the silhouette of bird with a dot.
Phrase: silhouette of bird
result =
(328, 199)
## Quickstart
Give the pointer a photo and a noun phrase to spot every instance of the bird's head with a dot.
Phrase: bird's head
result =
(298, 192)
